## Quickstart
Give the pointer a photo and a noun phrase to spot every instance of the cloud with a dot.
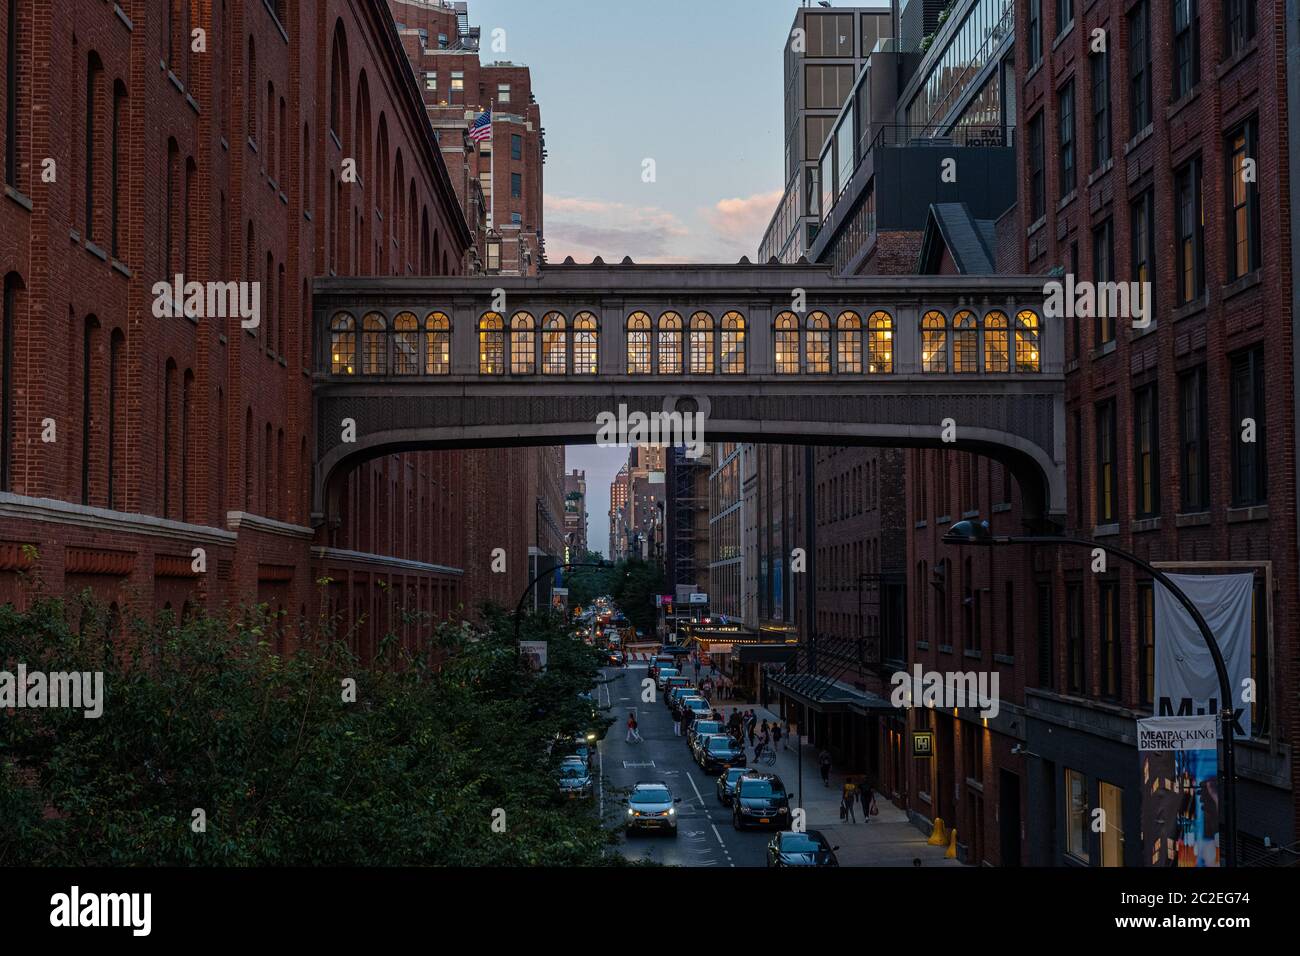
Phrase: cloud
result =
(741, 222)
(585, 228)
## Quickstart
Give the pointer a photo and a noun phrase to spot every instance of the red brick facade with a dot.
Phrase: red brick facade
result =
(138, 157)
(1203, 325)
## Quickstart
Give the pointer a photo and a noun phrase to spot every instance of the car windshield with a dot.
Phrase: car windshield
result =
(572, 770)
(719, 743)
(651, 795)
(761, 788)
(735, 773)
(799, 843)
(707, 727)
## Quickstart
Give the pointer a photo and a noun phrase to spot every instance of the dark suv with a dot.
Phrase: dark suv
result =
(760, 800)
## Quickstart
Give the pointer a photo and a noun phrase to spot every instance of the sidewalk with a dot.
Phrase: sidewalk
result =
(889, 839)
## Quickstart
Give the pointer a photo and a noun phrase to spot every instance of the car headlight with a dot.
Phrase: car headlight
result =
(672, 811)
(630, 812)
(783, 811)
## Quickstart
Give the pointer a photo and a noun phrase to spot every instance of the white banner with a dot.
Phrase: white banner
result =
(1186, 682)
(1177, 733)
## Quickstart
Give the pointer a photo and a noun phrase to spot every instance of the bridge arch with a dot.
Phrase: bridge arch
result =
(884, 361)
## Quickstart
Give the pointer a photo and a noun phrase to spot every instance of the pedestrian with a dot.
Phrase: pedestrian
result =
(869, 808)
(749, 727)
(825, 760)
(758, 747)
(848, 799)
(632, 735)
(677, 723)
(789, 734)
(765, 731)
(776, 735)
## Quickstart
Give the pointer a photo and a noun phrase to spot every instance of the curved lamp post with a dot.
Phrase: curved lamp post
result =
(519, 608)
(968, 533)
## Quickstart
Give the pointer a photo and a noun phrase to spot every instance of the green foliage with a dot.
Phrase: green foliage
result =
(587, 584)
(635, 588)
(203, 714)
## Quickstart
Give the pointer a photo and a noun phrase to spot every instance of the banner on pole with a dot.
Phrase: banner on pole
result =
(1180, 791)
(1185, 679)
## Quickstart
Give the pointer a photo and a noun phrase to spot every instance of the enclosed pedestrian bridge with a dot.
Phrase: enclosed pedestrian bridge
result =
(767, 353)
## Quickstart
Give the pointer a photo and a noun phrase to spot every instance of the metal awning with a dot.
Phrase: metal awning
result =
(827, 695)
(764, 653)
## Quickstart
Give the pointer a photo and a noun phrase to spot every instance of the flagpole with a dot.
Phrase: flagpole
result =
(492, 163)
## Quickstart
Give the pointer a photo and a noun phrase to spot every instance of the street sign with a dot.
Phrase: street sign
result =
(698, 598)
(922, 743)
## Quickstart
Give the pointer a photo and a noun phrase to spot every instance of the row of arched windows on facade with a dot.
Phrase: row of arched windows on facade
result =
(817, 345)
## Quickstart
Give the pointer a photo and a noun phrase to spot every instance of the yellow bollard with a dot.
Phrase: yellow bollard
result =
(951, 852)
(937, 835)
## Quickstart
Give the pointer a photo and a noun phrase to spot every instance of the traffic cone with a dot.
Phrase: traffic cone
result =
(951, 852)
(937, 835)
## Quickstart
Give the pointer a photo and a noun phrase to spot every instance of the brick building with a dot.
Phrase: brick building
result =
(1161, 158)
(129, 440)
(499, 180)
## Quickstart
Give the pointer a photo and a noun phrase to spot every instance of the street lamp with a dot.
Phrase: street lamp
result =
(519, 608)
(970, 533)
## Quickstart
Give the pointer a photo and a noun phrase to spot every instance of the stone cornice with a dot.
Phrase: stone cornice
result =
(24, 508)
(382, 561)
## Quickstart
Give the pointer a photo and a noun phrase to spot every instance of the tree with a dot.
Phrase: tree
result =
(203, 715)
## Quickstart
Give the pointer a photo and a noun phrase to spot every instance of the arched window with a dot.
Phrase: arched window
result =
(94, 74)
(187, 402)
(374, 345)
(1027, 359)
(117, 172)
(250, 466)
(555, 344)
(8, 333)
(339, 93)
(116, 375)
(437, 355)
(13, 110)
(848, 357)
(343, 344)
(638, 344)
(406, 344)
(585, 344)
(733, 343)
(880, 343)
(89, 349)
(996, 355)
(817, 344)
(670, 344)
(523, 344)
(701, 344)
(785, 341)
(934, 342)
(168, 433)
(965, 343)
(250, 100)
(491, 344)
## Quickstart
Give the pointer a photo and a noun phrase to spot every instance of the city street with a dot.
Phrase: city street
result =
(705, 835)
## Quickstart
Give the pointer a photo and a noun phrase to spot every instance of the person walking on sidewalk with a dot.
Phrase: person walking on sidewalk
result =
(848, 799)
(776, 734)
(869, 808)
(825, 760)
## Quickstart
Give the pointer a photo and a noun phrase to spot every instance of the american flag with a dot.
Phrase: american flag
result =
(482, 128)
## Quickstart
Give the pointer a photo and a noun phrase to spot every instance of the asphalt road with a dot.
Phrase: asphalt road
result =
(705, 836)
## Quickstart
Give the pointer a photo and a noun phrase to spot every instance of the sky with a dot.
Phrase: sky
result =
(695, 86)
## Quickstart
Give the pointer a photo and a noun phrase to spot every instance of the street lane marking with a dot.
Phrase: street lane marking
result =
(638, 765)
(695, 788)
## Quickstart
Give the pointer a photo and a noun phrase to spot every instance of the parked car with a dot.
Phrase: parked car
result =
(702, 728)
(652, 806)
(679, 696)
(716, 752)
(661, 660)
(760, 800)
(726, 785)
(809, 848)
(575, 779)
(665, 673)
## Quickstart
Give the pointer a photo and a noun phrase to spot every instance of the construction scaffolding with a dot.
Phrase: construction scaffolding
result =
(687, 518)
